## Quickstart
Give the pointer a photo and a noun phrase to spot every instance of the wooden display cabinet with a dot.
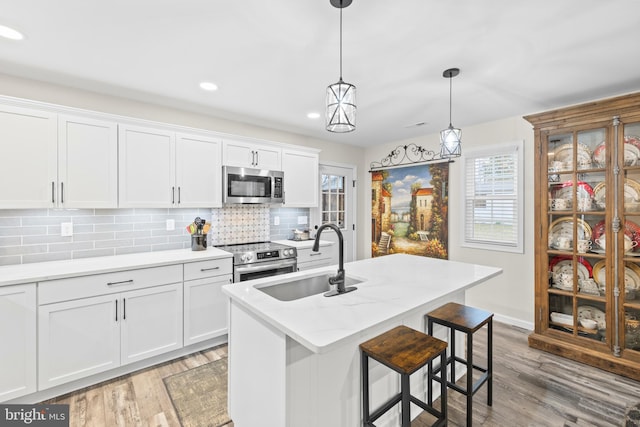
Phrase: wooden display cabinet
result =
(587, 228)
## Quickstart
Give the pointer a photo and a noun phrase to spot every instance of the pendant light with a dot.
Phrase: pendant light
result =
(340, 113)
(450, 137)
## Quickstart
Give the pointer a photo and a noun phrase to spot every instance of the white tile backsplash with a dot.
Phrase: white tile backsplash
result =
(33, 235)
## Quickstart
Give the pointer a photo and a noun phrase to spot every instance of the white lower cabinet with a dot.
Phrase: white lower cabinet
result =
(307, 259)
(205, 306)
(17, 341)
(83, 337)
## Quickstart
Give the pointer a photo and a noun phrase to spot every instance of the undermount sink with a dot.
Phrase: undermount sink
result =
(303, 287)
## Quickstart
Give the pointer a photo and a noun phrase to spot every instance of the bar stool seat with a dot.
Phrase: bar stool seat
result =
(458, 317)
(403, 350)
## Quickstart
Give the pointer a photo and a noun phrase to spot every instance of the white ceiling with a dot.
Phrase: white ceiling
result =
(272, 59)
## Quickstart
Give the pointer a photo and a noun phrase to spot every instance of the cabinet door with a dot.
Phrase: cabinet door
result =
(87, 163)
(205, 309)
(248, 155)
(268, 158)
(300, 178)
(151, 322)
(77, 339)
(28, 163)
(146, 167)
(199, 171)
(18, 338)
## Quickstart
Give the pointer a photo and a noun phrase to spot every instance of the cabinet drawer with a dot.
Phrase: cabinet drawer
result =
(209, 268)
(306, 255)
(107, 283)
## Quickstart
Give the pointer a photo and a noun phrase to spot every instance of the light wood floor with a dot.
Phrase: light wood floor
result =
(531, 388)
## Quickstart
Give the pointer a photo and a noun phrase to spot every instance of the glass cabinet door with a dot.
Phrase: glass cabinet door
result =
(629, 156)
(576, 205)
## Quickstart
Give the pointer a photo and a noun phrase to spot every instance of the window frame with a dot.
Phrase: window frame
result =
(484, 152)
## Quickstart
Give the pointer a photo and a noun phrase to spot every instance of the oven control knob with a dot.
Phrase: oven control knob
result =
(246, 257)
(285, 252)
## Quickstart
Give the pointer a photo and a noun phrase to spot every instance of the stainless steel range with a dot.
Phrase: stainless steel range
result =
(261, 259)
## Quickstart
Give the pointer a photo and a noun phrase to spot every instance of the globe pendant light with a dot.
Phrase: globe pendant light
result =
(450, 137)
(340, 113)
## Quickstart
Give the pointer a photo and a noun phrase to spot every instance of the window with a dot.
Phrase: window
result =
(333, 208)
(493, 198)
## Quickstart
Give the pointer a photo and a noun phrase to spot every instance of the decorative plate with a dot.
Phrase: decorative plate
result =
(564, 264)
(564, 153)
(631, 275)
(631, 229)
(563, 227)
(593, 313)
(564, 191)
(631, 193)
(631, 152)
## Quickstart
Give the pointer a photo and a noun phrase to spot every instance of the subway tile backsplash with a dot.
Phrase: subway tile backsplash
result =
(34, 235)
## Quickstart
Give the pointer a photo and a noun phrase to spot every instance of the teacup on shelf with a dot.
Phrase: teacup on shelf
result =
(560, 204)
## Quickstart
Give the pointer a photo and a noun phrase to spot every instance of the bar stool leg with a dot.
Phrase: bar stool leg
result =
(490, 362)
(443, 388)
(469, 379)
(452, 344)
(406, 410)
(430, 369)
(364, 360)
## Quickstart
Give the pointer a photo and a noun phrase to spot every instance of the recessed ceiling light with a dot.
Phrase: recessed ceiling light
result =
(10, 33)
(208, 86)
(313, 115)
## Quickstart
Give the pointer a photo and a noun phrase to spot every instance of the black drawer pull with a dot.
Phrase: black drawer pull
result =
(315, 253)
(120, 283)
(209, 269)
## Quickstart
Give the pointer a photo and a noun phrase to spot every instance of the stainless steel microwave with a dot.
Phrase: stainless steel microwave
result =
(245, 185)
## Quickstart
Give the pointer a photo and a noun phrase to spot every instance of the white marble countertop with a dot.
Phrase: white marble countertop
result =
(392, 286)
(38, 272)
(303, 244)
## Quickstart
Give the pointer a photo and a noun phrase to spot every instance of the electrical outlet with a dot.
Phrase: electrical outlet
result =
(276, 220)
(171, 224)
(66, 229)
(302, 220)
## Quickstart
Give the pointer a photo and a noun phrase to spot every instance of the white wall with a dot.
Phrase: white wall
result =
(511, 295)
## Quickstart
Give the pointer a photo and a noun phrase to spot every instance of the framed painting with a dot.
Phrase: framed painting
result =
(409, 210)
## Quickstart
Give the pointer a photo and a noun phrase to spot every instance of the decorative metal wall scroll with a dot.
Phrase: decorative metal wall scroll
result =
(408, 155)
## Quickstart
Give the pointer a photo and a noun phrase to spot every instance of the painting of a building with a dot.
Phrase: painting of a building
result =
(409, 210)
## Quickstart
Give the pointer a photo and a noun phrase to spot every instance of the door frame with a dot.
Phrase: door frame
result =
(314, 213)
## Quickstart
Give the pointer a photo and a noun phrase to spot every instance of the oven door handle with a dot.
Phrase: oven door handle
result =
(251, 268)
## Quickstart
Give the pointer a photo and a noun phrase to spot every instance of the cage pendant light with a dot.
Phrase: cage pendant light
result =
(450, 143)
(340, 114)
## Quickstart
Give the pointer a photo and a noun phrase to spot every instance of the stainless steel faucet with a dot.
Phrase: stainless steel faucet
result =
(339, 278)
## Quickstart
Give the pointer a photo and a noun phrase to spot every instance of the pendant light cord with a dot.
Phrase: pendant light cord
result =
(450, 92)
(340, 40)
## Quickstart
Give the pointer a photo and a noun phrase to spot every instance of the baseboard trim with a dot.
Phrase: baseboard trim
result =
(513, 321)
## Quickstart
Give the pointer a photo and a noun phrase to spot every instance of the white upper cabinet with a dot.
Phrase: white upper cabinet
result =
(87, 163)
(300, 178)
(159, 168)
(146, 167)
(28, 157)
(251, 155)
(198, 171)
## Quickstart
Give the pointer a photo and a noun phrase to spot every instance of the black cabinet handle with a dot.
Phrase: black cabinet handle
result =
(53, 192)
(173, 195)
(62, 192)
(178, 195)
(116, 310)
(209, 269)
(122, 282)
(124, 309)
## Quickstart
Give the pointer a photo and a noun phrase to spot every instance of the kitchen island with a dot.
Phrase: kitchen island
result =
(296, 363)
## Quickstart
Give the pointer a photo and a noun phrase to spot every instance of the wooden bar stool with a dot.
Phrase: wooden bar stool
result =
(404, 350)
(458, 317)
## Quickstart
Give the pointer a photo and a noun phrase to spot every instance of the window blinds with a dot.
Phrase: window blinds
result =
(491, 198)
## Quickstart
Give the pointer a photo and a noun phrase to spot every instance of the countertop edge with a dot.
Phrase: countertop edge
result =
(38, 272)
